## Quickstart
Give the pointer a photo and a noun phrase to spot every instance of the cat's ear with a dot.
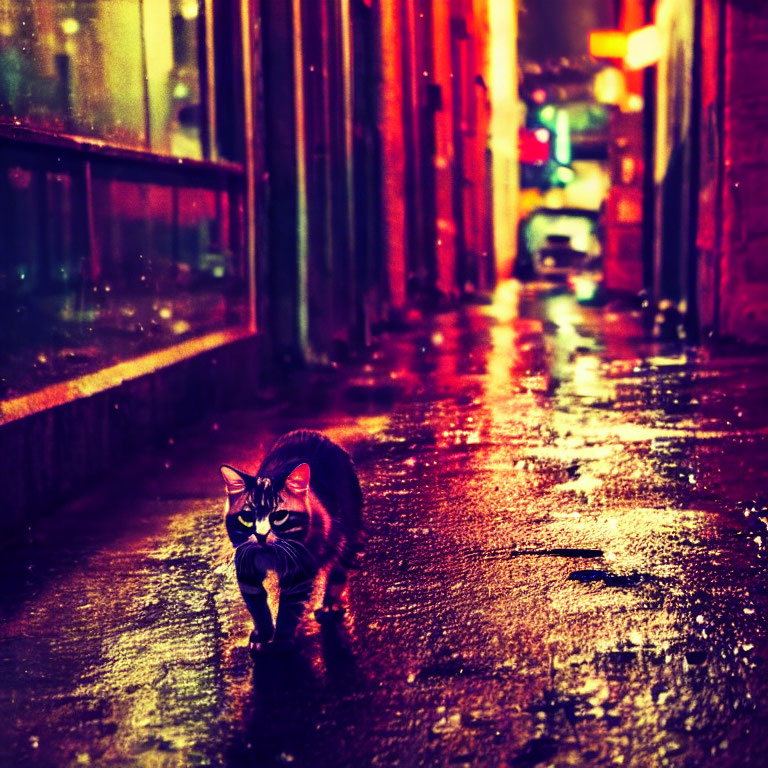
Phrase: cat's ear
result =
(234, 480)
(298, 481)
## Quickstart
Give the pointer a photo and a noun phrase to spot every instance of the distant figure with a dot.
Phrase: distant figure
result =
(301, 511)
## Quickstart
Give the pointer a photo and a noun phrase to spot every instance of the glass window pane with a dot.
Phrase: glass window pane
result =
(166, 265)
(74, 67)
(171, 29)
(79, 67)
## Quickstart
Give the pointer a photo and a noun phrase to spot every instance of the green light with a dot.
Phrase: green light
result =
(181, 91)
(547, 115)
(584, 288)
(562, 138)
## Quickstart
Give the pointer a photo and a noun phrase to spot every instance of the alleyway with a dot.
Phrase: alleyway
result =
(566, 566)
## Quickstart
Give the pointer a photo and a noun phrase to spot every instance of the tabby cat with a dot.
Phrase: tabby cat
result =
(301, 511)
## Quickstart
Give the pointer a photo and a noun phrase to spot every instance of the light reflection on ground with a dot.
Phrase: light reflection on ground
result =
(555, 572)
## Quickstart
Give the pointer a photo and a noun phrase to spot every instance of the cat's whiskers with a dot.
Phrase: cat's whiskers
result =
(278, 556)
(289, 555)
(300, 551)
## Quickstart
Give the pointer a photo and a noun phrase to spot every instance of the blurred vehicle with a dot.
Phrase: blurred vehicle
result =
(557, 258)
(557, 243)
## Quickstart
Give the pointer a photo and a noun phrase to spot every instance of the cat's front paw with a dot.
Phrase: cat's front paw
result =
(330, 614)
(255, 646)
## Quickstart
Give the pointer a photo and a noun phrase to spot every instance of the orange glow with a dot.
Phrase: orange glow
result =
(108, 378)
(504, 131)
(393, 152)
(608, 44)
(444, 151)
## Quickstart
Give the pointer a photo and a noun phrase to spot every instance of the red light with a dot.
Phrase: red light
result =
(532, 149)
(539, 95)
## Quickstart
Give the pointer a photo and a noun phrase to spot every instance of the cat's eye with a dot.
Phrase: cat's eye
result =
(280, 517)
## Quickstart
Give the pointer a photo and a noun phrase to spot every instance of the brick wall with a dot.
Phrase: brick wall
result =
(744, 280)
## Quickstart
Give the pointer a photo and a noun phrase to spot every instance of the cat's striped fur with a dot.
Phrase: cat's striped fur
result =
(300, 512)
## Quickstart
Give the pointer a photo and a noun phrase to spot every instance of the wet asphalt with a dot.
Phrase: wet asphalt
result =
(566, 566)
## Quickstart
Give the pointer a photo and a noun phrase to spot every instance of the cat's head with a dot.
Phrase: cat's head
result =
(265, 508)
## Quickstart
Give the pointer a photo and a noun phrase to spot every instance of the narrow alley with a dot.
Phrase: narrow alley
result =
(565, 566)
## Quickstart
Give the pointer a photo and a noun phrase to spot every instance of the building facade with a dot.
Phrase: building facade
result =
(128, 230)
(195, 193)
(732, 235)
(703, 129)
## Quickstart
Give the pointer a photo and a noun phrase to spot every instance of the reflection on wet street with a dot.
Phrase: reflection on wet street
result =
(566, 566)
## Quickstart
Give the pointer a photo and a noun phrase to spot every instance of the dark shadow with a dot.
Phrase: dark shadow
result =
(340, 664)
(289, 697)
(279, 717)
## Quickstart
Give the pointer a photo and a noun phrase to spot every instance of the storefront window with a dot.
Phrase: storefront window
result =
(108, 249)
(148, 265)
(122, 71)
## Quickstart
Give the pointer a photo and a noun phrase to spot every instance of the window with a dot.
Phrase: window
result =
(132, 240)
(123, 71)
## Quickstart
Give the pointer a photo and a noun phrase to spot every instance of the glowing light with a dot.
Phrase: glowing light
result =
(607, 44)
(70, 26)
(533, 148)
(548, 114)
(584, 288)
(504, 130)
(539, 95)
(189, 10)
(643, 47)
(610, 86)
(181, 91)
(562, 138)
(635, 103)
(565, 174)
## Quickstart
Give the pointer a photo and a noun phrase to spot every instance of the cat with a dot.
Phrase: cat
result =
(300, 512)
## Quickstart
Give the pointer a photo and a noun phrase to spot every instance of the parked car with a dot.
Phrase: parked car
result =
(555, 243)
(557, 258)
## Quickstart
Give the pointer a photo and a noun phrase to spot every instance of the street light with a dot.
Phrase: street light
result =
(637, 49)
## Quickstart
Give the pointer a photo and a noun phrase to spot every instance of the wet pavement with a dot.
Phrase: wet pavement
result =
(566, 566)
